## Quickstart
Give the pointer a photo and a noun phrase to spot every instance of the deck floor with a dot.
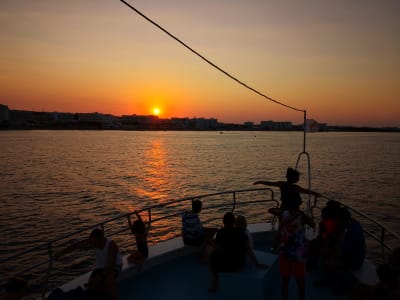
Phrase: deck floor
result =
(188, 278)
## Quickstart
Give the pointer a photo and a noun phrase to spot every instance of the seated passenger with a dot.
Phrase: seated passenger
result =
(231, 248)
(241, 222)
(108, 256)
(346, 256)
(193, 232)
(353, 245)
(327, 240)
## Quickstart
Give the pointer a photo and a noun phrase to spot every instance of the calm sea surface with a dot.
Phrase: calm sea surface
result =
(54, 182)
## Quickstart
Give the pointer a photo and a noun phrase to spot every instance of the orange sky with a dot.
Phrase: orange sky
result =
(340, 60)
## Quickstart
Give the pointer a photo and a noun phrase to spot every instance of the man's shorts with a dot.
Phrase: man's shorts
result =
(289, 267)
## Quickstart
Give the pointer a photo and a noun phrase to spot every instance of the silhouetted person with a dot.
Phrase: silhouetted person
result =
(292, 248)
(230, 251)
(138, 228)
(15, 288)
(108, 256)
(290, 191)
(193, 231)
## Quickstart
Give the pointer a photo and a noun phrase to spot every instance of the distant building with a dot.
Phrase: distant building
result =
(248, 125)
(205, 124)
(271, 125)
(4, 114)
(64, 117)
(180, 123)
(96, 120)
(21, 118)
(139, 120)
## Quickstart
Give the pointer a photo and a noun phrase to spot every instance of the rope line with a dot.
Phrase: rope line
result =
(207, 60)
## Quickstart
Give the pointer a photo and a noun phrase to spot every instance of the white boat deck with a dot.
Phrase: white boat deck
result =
(187, 277)
(175, 271)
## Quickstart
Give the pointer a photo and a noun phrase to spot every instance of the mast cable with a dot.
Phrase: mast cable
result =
(207, 60)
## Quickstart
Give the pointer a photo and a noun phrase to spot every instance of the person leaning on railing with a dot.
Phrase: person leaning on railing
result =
(108, 257)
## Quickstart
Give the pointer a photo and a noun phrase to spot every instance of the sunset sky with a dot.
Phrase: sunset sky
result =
(339, 60)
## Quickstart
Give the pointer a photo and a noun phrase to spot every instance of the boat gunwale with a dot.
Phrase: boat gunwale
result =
(232, 204)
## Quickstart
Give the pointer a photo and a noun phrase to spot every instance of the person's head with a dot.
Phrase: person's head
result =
(229, 220)
(331, 209)
(96, 238)
(196, 206)
(292, 175)
(241, 222)
(16, 287)
(139, 226)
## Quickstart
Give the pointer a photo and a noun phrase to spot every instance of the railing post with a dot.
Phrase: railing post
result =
(149, 219)
(50, 252)
(383, 243)
(234, 201)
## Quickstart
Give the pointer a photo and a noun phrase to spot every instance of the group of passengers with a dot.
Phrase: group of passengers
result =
(108, 265)
(338, 249)
(225, 249)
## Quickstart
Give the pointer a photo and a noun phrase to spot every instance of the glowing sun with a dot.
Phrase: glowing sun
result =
(156, 111)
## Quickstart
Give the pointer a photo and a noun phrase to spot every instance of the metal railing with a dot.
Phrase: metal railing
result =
(384, 232)
(49, 246)
(382, 238)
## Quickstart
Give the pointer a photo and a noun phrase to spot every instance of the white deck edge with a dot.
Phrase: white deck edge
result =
(158, 254)
(173, 248)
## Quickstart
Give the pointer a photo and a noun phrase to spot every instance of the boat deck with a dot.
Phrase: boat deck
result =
(186, 277)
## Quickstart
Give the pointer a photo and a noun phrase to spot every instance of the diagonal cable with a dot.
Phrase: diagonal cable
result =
(207, 60)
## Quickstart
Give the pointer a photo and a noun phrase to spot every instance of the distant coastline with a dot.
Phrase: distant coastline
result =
(33, 120)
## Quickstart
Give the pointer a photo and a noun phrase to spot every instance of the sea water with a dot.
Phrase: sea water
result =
(56, 182)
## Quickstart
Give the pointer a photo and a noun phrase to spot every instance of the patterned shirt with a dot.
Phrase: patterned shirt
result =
(292, 236)
(192, 229)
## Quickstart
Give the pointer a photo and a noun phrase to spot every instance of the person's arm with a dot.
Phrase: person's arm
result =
(307, 191)
(140, 219)
(78, 245)
(269, 183)
(138, 216)
(130, 223)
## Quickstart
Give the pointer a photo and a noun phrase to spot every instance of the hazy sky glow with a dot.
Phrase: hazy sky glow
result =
(339, 60)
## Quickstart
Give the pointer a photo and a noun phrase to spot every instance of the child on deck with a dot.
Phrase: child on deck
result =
(140, 232)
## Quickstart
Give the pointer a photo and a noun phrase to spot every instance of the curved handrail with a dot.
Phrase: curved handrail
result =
(384, 230)
(150, 220)
(49, 245)
(101, 224)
